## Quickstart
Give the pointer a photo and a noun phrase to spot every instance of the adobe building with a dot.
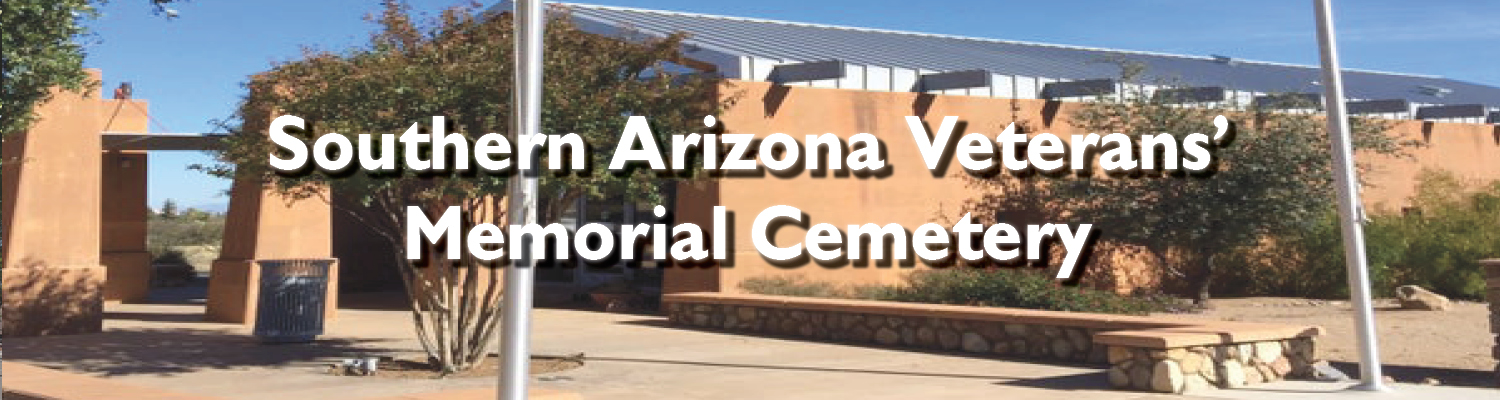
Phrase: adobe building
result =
(75, 206)
(809, 79)
(75, 217)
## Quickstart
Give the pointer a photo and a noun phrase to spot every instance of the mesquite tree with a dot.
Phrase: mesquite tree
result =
(459, 66)
(1273, 173)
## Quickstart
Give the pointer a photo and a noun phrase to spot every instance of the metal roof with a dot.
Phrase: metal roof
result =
(802, 42)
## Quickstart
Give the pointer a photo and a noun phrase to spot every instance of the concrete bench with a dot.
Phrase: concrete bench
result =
(1214, 354)
(1143, 353)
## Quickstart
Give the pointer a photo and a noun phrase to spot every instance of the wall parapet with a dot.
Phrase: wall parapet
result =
(1142, 353)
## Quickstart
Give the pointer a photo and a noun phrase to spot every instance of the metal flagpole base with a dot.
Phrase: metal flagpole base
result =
(1375, 387)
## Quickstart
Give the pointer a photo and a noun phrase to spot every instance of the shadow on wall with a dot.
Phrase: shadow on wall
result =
(771, 102)
(39, 300)
(174, 351)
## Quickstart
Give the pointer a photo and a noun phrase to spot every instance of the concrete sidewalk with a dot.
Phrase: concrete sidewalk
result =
(628, 357)
(30, 382)
(1304, 390)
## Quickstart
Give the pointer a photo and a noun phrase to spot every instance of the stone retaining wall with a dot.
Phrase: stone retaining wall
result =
(980, 337)
(1199, 367)
(1142, 353)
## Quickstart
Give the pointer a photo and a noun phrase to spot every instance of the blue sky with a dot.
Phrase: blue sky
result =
(191, 68)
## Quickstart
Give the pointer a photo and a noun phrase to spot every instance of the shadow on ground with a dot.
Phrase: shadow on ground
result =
(122, 352)
(397, 301)
(662, 322)
(377, 301)
(799, 368)
(154, 317)
(194, 292)
(1084, 381)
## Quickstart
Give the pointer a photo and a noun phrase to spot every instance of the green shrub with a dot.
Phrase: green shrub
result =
(170, 256)
(1455, 224)
(1435, 244)
(791, 286)
(1309, 262)
(1004, 287)
(171, 229)
(970, 286)
(871, 292)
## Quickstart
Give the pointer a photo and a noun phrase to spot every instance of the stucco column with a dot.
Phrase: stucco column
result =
(695, 204)
(123, 208)
(52, 278)
(264, 225)
(123, 240)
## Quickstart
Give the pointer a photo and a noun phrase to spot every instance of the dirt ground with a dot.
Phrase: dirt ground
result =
(1453, 346)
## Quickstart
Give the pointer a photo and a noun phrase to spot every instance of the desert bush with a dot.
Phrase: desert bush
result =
(1434, 243)
(1451, 225)
(796, 286)
(1018, 288)
(169, 229)
(992, 287)
(170, 256)
(872, 292)
(1309, 261)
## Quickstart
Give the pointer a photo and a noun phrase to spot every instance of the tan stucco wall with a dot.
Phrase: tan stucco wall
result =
(123, 227)
(911, 195)
(1469, 150)
(75, 223)
(262, 225)
(53, 278)
(123, 207)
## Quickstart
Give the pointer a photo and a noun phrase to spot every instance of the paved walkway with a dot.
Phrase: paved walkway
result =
(628, 357)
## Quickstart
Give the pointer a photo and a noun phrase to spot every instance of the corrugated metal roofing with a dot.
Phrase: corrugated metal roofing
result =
(789, 41)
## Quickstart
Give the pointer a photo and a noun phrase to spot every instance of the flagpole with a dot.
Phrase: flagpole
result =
(515, 329)
(1350, 211)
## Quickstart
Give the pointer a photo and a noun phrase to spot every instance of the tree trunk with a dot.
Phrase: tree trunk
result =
(1205, 280)
(454, 309)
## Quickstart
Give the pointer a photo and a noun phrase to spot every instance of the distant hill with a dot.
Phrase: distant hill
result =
(216, 208)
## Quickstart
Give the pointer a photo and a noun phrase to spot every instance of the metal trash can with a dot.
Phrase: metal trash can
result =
(292, 297)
